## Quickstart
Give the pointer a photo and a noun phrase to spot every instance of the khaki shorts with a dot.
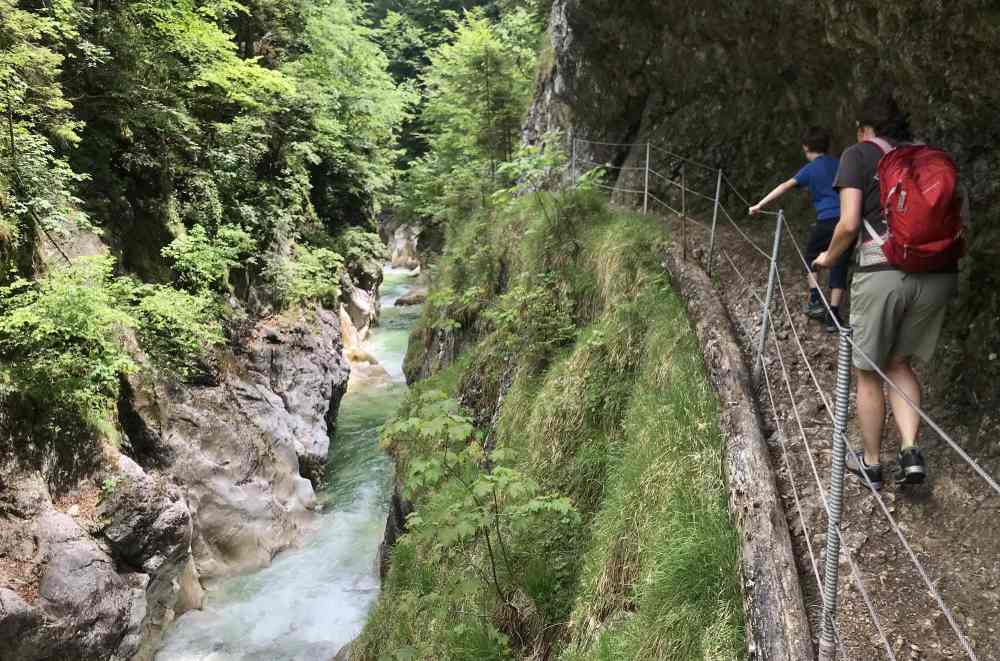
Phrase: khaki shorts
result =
(898, 315)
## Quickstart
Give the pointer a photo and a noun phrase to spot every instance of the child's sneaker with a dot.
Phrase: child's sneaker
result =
(856, 464)
(815, 310)
(911, 468)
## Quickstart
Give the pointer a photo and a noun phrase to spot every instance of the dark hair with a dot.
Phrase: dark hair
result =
(881, 112)
(816, 139)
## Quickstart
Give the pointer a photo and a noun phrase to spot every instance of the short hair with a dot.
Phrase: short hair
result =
(816, 139)
(881, 112)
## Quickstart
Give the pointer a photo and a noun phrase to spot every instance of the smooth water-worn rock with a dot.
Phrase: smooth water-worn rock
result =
(243, 449)
(403, 247)
(403, 241)
(85, 602)
(416, 296)
(313, 599)
(217, 483)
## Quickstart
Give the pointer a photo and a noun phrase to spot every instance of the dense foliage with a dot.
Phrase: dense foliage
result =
(477, 87)
(221, 149)
(62, 336)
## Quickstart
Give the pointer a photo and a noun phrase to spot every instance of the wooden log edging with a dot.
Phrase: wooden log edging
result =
(776, 621)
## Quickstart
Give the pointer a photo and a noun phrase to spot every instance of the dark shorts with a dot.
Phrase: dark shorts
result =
(819, 241)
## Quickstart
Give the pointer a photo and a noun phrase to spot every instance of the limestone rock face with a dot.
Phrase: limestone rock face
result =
(243, 448)
(405, 242)
(361, 304)
(403, 247)
(216, 482)
(692, 79)
(90, 602)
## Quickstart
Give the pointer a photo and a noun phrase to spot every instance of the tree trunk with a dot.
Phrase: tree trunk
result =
(777, 624)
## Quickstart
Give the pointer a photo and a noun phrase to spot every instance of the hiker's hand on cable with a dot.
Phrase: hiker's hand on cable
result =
(754, 210)
(823, 261)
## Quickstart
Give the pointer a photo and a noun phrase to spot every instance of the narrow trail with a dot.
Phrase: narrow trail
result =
(313, 600)
(949, 522)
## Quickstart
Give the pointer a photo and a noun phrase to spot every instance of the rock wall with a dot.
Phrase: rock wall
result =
(246, 448)
(406, 242)
(733, 84)
(212, 480)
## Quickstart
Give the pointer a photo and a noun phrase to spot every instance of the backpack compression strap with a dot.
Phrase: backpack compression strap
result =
(885, 147)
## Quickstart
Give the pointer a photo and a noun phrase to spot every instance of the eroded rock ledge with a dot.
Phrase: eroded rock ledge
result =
(212, 480)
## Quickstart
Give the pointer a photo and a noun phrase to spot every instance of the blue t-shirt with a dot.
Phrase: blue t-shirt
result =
(817, 177)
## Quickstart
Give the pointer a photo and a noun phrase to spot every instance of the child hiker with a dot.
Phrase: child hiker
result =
(817, 178)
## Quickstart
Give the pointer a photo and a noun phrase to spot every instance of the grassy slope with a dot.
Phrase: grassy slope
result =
(616, 413)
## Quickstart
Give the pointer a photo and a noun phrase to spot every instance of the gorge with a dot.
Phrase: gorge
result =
(223, 436)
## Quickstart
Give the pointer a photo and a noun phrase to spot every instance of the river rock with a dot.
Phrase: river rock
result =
(416, 296)
(403, 246)
(82, 607)
(149, 527)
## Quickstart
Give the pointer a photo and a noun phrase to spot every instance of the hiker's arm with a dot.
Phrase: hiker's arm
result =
(847, 229)
(778, 191)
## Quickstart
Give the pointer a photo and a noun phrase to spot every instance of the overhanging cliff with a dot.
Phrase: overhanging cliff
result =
(732, 84)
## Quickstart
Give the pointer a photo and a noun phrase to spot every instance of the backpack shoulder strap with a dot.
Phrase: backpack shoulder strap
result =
(881, 144)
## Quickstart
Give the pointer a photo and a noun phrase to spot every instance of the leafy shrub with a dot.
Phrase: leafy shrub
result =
(203, 262)
(531, 320)
(308, 275)
(176, 328)
(357, 245)
(60, 338)
(470, 504)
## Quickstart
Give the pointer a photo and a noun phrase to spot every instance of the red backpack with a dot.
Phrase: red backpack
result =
(917, 186)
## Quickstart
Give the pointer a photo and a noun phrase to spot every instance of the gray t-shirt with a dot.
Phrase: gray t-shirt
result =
(859, 169)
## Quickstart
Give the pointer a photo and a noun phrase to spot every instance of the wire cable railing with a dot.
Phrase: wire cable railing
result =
(828, 623)
(855, 573)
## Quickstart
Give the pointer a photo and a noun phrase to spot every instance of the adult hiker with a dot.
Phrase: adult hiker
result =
(901, 200)
(817, 177)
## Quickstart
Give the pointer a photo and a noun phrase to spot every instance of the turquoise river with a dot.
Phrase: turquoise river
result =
(313, 600)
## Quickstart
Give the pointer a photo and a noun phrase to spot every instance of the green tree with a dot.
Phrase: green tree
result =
(36, 125)
(477, 87)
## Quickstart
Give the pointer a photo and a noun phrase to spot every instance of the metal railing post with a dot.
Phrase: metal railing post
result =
(831, 565)
(715, 220)
(645, 194)
(765, 317)
(572, 158)
(684, 211)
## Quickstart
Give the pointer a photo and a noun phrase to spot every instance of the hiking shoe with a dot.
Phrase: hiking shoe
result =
(829, 325)
(815, 310)
(830, 322)
(856, 464)
(910, 468)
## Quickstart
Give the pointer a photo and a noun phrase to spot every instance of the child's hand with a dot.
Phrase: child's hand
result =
(754, 210)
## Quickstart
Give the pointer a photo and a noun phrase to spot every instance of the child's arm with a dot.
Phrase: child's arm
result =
(778, 191)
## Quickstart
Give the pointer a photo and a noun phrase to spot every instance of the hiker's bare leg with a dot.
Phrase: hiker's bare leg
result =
(907, 419)
(812, 281)
(836, 296)
(871, 413)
